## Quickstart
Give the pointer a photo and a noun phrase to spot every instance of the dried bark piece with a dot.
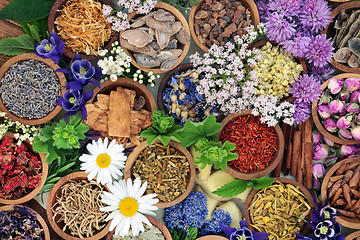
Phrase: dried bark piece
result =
(97, 118)
(119, 114)
(158, 25)
(147, 50)
(136, 37)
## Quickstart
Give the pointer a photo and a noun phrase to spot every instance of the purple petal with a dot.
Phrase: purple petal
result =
(74, 85)
(227, 230)
(95, 83)
(87, 95)
(76, 66)
(260, 235)
(64, 70)
(68, 114)
(77, 57)
(84, 112)
(243, 223)
(59, 101)
(98, 74)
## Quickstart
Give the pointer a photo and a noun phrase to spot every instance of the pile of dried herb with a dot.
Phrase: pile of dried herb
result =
(279, 210)
(152, 233)
(165, 169)
(19, 224)
(79, 208)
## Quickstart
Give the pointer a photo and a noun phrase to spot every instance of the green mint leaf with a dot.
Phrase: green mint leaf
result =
(164, 139)
(149, 134)
(34, 32)
(193, 232)
(51, 155)
(17, 45)
(42, 24)
(61, 142)
(39, 145)
(264, 182)
(231, 189)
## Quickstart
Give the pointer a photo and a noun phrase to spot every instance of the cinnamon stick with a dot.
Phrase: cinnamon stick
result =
(308, 153)
(296, 154)
(287, 164)
(285, 129)
(300, 166)
(119, 114)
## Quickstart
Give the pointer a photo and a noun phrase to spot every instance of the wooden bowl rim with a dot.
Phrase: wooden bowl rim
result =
(255, 18)
(50, 63)
(353, 235)
(44, 173)
(179, 17)
(284, 180)
(39, 218)
(212, 237)
(345, 221)
(52, 198)
(134, 155)
(154, 222)
(316, 118)
(272, 165)
(54, 13)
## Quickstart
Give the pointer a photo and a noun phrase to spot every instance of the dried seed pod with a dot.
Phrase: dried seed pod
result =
(340, 202)
(355, 178)
(346, 213)
(336, 196)
(335, 178)
(346, 192)
(334, 188)
(355, 206)
(355, 192)
(347, 176)
(342, 169)
(348, 206)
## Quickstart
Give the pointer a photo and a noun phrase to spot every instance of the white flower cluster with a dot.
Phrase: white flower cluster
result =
(139, 75)
(142, 6)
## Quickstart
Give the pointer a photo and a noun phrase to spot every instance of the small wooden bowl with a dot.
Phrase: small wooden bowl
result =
(212, 237)
(56, 191)
(318, 121)
(249, 4)
(185, 48)
(55, 12)
(48, 62)
(29, 194)
(134, 156)
(43, 225)
(306, 228)
(353, 223)
(272, 165)
(353, 236)
(330, 32)
(154, 222)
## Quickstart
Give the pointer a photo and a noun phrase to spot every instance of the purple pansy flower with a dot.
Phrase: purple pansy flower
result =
(50, 49)
(243, 232)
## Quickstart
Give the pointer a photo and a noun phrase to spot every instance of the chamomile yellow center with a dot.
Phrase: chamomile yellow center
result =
(103, 160)
(128, 207)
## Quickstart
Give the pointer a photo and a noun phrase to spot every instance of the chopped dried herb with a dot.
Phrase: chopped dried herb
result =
(152, 233)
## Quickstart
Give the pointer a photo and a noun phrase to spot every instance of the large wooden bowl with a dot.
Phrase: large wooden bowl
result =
(306, 228)
(154, 222)
(56, 191)
(48, 62)
(44, 172)
(353, 223)
(353, 236)
(43, 225)
(249, 4)
(318, 122)
(55, 12)
(185, 48)
(330, 32)
(272, 165)
(212, 237)
(191, 178)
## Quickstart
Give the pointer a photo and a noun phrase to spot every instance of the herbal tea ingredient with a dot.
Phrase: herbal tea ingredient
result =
(78, 207)
(29, 89)
(20, 224)
(166, 171)
(276, 70)
(152, 233)
(256, 143)
(83, 27)
(279, 210)
(20, 169)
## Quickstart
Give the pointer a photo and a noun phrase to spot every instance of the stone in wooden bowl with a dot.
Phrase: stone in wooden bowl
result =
(276, 158)
(183, 151)
(30, 194)
(55, 12)
(155, 53)
(349, 222)
(50, 63)
(353, 236)
(249, 4)
(45, 233)
(319, 122)
(154, 222)
(58, 226)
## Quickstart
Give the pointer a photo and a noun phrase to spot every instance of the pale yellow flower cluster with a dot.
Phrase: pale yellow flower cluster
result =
(276, 70)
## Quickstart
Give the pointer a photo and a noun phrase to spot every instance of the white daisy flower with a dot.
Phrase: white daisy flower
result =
(127, 206)
(104, 161)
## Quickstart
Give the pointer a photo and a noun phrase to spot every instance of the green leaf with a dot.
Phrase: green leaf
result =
(25, 27)
(263, 182)
(64, 168)
(75, 119)
(193, 232)
(149, 134)
(34, 32)
(80, 130)
(47, 131)
(17, 45)
(55, 179)
(42, 24)
(39, 145)
(209, 126)
(26, 10)
(164, 139)
(51, 154)
(61, 142)
(231, 189)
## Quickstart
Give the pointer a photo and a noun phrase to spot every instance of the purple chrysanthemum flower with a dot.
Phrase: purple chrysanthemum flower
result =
(287, 7)
(321, 73)
(306, 89)
(279, 28)
(320, 51)
(297, 46)
(262, 8)
(302, 112)
(315, 15)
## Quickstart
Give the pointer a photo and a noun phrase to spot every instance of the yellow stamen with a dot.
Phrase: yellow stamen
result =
(103, 160)
(128, 207)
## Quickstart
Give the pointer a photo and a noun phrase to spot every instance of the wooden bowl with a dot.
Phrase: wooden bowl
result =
(48, 62)
(272, 165)
(56, 191)
(212, 237)
(318, 121)
(43, 225)
(353, 236)
(30, 194)
(134, 155)
(330, 32)
(55, 12)
(249, 4)
(185, 48)
(154, 222)
(353, 223)
(306, 228)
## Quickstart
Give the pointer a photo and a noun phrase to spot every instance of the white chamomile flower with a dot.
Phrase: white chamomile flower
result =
(127, 206)
(104, 161)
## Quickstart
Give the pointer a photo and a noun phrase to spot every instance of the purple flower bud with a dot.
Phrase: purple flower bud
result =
(335, 85)
(355, 132)
(324, 111)
(336, 106)
(318, 170)
(325, 99)
(344, 95)
(328, 142)
(316, 137)
(330, 125)
(344, 122)
(346, 150)
(345, 134)
(352, 107)
(352, 84)
(321, 151)
(355, 97)
(330, 162)
(316, 184)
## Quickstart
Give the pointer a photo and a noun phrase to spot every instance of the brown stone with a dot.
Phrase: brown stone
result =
(222, 13)
(222, 23)
(229, 30)
(213, 21)
(217, 6)
(230, 13)
(207, 27)
(197, 29)
(237, 16)
(201, 14)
